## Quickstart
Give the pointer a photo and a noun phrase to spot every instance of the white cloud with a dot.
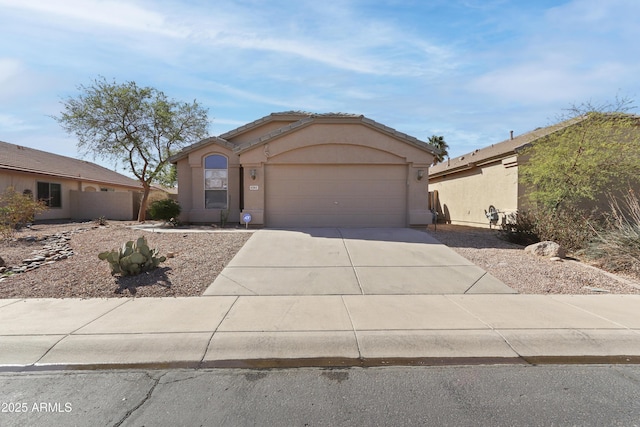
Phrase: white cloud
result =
(16, 81)
(111, 13)
(248, 95)
(338, 37)
(9, 69)
(10, 123)
(574, 52)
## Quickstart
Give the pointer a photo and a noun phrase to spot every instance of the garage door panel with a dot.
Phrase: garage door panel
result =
(327, 196)
(288, 220)
(331, 206)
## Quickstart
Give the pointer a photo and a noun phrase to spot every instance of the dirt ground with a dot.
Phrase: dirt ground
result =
(197, 259)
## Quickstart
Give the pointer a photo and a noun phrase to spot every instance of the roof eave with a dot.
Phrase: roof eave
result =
(277, 133)
(332, 118)
(283, 116)
(70, 177)
(425, 146)
(195, 146)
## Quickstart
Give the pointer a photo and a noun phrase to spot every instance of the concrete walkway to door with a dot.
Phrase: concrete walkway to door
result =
(350, 261)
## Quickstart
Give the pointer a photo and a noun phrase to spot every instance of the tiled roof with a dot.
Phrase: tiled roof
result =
(24, 159)
(308, 118)
(297, 119)
(292, 115)
(211, 140)
(496, 151)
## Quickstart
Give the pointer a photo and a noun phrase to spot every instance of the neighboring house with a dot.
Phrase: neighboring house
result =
(467, 187)
(71, 188)
(297, 169)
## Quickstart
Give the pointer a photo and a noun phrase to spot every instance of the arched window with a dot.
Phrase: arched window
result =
(215, 182)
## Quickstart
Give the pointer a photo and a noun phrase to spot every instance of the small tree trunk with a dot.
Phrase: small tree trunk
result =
(142, 213)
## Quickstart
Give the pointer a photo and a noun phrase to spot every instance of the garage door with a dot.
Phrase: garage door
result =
(336, 196)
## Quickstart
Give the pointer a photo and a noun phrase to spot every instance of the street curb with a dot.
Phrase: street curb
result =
(334, 363)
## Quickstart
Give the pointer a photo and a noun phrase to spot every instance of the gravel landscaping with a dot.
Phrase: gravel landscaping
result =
(199, 257)
(528, 273)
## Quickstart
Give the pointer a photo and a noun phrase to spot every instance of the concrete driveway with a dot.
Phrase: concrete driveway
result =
(350, 261)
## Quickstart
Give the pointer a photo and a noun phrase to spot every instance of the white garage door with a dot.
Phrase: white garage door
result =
(336, 196)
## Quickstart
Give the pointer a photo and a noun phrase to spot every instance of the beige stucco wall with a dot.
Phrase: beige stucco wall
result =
(116, 205)
(191, 186)
(28, 181)
(464, 196)
(21, 182)
(332, 143)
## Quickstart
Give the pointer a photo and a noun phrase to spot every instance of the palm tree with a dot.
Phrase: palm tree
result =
(440, 144)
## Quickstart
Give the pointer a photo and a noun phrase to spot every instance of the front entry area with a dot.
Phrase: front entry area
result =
(336, 196)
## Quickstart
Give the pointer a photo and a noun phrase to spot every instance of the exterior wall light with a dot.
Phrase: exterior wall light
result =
(420, 174)
(252, 174)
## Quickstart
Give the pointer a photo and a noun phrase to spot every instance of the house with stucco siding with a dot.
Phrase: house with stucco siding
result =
(299, 169)
(71, 188)
(465, 189)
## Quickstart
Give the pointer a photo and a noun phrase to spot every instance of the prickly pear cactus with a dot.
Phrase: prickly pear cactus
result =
(132, 258)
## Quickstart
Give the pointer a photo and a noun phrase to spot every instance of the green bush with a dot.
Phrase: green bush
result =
(164, 209)
(132, 258)
(17, 210)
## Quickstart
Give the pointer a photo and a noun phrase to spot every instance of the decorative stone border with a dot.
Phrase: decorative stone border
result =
(56, 248)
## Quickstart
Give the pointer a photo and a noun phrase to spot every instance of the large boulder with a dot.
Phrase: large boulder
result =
(546, 249)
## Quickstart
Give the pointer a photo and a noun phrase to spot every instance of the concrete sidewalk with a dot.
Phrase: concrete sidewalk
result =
(318, 330)
(326, 297)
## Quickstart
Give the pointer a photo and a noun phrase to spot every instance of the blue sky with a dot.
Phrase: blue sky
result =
(470, 70)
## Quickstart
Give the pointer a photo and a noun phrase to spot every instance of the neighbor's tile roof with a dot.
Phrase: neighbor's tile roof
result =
(496, 151)
(24, 159)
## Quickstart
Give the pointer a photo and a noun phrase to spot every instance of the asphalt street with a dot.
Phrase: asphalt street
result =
(520, 395)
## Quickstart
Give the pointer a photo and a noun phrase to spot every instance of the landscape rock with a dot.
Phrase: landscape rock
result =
(597, 290)
(56, 248)
(2, 264)
(546, 249)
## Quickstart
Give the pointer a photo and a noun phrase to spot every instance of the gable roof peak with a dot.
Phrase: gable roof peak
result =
(343, 117)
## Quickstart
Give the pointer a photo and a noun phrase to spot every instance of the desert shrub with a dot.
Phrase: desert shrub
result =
(153, 197)
(519, 228)
(616, 245)
(132, 258)
(17, 210)
(572, 228)
(164, 209)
